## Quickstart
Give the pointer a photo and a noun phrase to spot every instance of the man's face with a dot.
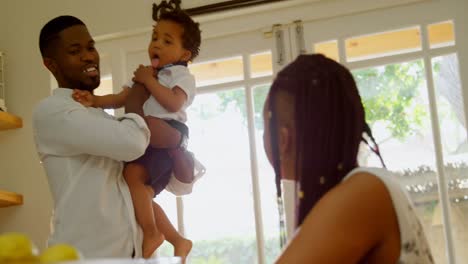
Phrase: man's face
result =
(166, 43)
(74, 60)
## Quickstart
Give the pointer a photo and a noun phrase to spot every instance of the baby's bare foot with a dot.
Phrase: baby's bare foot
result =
(151, 243)
(182, 248)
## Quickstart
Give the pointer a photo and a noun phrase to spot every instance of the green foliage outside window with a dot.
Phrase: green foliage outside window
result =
(389, 94)
(228, 251)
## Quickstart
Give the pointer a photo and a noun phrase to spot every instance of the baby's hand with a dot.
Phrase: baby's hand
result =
(143, 74)
(83, 97)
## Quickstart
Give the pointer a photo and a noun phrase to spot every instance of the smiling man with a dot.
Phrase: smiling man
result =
(82, 149)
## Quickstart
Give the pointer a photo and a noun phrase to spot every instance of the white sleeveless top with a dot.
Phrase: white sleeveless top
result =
(414, 246)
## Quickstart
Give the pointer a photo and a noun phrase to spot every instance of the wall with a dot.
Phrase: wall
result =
(28, 81)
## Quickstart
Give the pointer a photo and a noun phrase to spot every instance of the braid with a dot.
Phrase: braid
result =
(328, 117)
(374, 149)
(273, 124)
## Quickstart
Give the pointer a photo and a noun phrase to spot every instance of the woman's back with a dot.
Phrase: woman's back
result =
(366, 219)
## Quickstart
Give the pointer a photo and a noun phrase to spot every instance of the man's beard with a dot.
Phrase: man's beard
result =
(88, 87)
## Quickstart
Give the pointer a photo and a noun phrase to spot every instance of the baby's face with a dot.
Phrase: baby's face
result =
(166, 43)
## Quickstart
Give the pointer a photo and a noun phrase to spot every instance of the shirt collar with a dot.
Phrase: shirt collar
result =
(62, 91)
(181, 63)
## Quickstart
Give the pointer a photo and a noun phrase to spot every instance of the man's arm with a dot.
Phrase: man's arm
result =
(66, 128)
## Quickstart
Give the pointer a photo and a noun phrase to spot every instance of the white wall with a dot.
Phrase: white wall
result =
(28, 81)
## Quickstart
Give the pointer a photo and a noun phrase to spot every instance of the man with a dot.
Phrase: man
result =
(82, 150)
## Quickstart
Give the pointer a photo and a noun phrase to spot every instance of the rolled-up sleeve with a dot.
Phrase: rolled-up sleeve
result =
(179, 188)
(71, 129)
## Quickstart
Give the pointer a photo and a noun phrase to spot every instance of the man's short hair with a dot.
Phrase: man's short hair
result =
(51, 30)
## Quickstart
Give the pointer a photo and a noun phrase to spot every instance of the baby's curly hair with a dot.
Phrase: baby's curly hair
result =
(191, 38)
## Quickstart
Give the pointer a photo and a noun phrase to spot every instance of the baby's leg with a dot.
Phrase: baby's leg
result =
(162, 134)
(135, 175)
(183, 165)
(182, 246)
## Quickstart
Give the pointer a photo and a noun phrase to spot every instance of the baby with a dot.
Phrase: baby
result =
(175, 41)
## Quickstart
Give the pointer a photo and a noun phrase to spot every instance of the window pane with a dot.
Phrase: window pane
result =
(219, 212)
(441, 34)
(383, 44)
(266, 181)
(329, 49)
(397, 109)
(219, 71)
(455, 148)
(261, 64)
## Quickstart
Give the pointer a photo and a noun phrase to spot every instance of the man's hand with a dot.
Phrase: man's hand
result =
(83, 97)
(143, 74)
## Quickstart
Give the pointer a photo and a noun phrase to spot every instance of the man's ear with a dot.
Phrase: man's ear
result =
(284, 141)
(187, 55)
(50, 64)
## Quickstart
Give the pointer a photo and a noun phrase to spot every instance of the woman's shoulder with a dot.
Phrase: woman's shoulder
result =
(362, 177)
(394, 200)
(379, 173)
(365, 200)
(369, 180)
(355, 216)
(382, 180)
(362, 196)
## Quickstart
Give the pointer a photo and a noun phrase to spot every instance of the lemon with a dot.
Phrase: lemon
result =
(16, 247)
(59, 252)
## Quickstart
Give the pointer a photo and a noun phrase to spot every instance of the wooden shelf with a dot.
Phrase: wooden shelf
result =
(9, 121)
(10, 199)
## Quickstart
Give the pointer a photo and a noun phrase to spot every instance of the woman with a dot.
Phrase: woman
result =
(314, 124)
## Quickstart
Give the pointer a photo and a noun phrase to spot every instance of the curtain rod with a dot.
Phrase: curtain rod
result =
(226, 5)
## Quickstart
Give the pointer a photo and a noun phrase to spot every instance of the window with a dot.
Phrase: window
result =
(400, 95)
(226, 124)
(260, 64)
(452, 125)
(383, 44)
(218, 71)
(329, 49)
(441, 34)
